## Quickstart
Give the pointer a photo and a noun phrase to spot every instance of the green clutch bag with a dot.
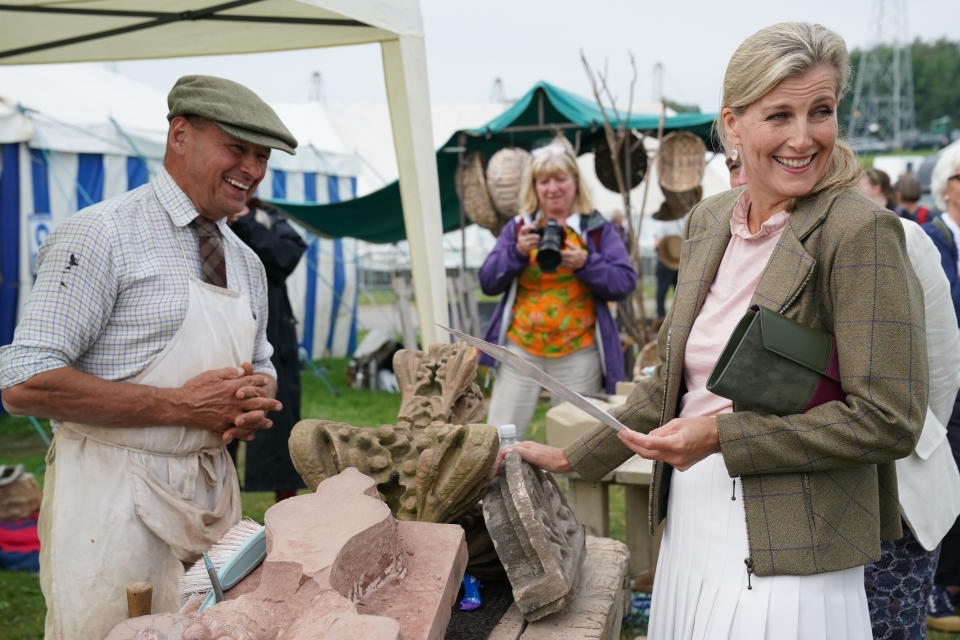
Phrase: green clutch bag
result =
(773, 364)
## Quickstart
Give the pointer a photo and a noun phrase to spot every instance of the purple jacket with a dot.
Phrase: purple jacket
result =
(607, 273)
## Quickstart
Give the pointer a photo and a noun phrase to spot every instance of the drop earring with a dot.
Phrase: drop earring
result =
(735, 153)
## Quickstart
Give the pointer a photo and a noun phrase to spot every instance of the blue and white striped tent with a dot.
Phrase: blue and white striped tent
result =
(323, 288)
(51, 168)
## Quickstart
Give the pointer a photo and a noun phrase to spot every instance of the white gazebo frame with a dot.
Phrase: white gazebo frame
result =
(34, 32)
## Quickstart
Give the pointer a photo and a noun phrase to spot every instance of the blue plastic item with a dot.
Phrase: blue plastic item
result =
(471, 593)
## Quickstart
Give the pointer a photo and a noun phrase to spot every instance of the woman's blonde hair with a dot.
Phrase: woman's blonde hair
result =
(776, 53)
(553, 158)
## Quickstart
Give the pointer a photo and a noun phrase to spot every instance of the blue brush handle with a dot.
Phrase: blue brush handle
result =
(247, 558)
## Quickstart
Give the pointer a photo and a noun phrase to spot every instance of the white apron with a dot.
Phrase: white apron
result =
(126, 505)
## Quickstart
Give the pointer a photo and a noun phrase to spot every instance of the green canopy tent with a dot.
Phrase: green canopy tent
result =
(534, 118)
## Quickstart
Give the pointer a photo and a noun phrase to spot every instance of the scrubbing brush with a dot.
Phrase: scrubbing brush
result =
(241, 549)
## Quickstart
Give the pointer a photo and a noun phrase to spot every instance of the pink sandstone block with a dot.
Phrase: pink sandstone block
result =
(338, 566)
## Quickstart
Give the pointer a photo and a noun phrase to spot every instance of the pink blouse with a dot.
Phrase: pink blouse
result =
(729, 297)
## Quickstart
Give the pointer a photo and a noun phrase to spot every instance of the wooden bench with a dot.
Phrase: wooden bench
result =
(591, 503)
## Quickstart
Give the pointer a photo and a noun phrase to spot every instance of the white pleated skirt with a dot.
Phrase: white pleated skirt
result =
(700, 591)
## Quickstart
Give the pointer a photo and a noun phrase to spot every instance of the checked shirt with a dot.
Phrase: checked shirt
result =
(112, 287)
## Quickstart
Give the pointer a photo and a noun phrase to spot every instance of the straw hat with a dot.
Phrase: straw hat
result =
(676, 205)
(472, 191)
(603, 162)
(669, 251)
(681, 161)
(505, 179)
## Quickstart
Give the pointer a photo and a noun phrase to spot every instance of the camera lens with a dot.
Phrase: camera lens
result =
(551, 242)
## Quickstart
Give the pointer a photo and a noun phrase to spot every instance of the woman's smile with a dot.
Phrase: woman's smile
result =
(787, 138)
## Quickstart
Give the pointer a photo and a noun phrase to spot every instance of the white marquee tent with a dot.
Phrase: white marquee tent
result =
(82, 30)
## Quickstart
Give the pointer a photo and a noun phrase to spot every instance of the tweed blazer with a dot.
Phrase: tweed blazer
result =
(819, 488)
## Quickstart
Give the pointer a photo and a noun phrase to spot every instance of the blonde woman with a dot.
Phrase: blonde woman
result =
(557, 265)
(770, 519)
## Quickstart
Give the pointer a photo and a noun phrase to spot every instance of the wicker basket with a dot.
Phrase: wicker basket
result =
(603, 162)
(681, 161)
(472, 191)
(505, 179)
(678, 204)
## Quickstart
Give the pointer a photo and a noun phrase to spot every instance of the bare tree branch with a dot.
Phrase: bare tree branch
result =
(631, 316)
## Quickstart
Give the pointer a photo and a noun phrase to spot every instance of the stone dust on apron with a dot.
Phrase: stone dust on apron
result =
(133, 504)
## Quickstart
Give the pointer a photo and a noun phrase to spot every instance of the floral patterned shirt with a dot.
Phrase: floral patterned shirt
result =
(553, 313)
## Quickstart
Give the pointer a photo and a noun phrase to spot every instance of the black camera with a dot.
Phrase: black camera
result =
(552, 239)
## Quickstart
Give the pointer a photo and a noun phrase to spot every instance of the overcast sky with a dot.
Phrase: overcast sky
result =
(469, 44)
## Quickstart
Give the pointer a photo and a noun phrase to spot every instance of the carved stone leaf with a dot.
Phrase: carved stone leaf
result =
(430, 474)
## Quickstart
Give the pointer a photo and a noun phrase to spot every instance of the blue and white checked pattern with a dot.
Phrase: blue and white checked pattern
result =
(112, 287)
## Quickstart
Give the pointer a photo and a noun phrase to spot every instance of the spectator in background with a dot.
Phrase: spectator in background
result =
(900, 583)
(945, 228)
(876, 185)
(555, 316)
(944, 231)
(909, 192)
(265, 230)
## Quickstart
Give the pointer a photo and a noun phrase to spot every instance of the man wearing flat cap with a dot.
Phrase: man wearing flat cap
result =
(144, 340)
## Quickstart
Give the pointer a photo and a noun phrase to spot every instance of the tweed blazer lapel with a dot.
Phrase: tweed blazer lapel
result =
(701, 254)
(791, 265)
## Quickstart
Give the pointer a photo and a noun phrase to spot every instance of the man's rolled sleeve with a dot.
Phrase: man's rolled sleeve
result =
(69, 306)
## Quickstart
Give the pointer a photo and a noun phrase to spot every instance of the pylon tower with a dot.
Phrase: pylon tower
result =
(883, 97)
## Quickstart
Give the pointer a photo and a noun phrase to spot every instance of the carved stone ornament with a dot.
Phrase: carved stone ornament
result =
(434, 464)
(338, 567)
(537, 536)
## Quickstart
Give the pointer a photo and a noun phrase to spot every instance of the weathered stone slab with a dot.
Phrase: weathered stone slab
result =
(596, 606)
(338, 566)
(510, 626)
(538, 538)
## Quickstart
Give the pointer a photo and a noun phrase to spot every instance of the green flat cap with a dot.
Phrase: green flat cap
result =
(237, 110)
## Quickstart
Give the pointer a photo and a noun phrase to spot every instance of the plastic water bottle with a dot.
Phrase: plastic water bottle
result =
(508, 435)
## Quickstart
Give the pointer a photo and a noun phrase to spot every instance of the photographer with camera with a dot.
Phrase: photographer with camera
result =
(557, 265)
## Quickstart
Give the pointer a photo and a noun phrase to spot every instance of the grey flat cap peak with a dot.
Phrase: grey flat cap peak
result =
(233, 107)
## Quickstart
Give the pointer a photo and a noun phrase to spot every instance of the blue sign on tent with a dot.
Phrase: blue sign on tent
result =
(39, 225)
